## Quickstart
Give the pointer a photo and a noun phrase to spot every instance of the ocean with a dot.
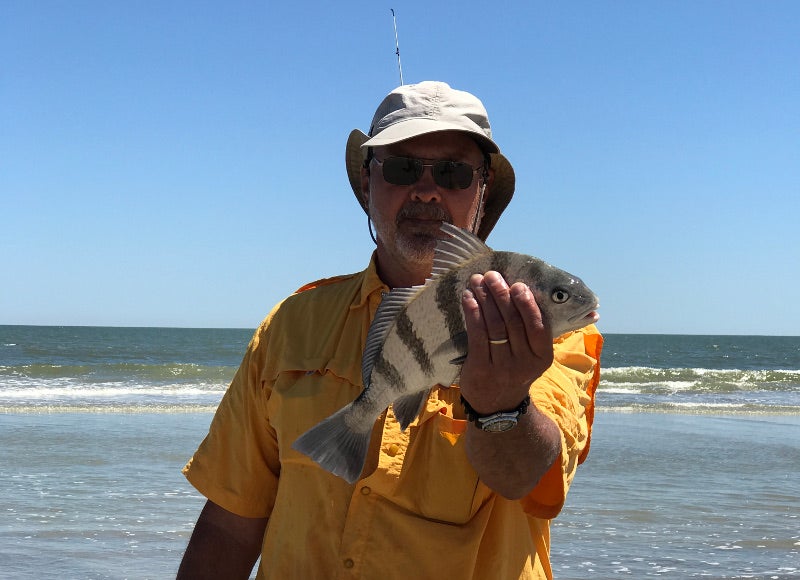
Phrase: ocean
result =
(694, 469)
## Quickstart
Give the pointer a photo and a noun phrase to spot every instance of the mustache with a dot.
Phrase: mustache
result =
(423, 211)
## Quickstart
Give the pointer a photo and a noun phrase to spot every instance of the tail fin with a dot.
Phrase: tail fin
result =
(335, 446)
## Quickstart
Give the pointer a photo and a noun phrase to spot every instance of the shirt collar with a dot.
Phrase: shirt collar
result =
(371, 284)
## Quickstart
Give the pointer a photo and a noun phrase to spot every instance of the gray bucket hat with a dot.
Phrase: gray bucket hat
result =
(429, 107)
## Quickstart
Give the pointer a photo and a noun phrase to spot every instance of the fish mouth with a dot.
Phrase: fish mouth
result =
(586, 316)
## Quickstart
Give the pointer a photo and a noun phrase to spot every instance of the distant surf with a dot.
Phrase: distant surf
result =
(100, 369)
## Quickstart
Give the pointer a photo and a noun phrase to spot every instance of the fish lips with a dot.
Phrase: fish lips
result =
(586, 316)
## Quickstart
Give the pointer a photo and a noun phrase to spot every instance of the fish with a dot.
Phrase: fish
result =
(418, 340)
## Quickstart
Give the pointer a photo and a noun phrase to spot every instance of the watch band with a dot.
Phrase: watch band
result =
(499, 421)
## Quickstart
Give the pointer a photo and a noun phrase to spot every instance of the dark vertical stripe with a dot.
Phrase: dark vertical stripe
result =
(389, 372)
(448, 300)
(407, 334)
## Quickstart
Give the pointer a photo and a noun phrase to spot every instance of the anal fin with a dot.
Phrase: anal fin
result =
(408, 407)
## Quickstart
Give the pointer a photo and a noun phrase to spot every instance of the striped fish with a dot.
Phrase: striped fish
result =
(418, 340)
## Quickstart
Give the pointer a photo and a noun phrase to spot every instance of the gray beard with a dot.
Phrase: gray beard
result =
(416, 248)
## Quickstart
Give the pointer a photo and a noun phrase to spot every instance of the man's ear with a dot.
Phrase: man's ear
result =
(365, 185)
(488, 178)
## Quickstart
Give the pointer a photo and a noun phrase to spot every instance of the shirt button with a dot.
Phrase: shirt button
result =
(349, 563)
(392, 450)
(365, 490)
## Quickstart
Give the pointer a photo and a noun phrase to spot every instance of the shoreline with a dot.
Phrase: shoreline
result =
(667, 493)
(206, 409)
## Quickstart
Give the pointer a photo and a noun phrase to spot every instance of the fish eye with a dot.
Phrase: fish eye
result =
(560, 296)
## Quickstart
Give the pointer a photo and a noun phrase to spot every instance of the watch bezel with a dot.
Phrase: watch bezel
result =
(499, 422)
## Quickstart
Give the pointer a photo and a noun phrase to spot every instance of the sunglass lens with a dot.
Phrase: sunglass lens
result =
(402, 170)
(452, 174)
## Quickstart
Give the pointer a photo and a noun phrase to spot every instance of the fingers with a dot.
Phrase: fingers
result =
(495, 311)
(477, 336)
(472, 313)
(537, 331)
(507, 312)
(501, 318)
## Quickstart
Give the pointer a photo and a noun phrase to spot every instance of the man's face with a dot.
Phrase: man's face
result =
(407, 217)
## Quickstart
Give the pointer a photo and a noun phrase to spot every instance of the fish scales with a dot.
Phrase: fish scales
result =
(417, 340)
(448, 291)
(407, 333)
(432, 327)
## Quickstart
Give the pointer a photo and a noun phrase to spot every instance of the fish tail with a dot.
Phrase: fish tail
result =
(335, 446)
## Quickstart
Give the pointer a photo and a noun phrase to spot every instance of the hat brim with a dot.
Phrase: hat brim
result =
(499, 194)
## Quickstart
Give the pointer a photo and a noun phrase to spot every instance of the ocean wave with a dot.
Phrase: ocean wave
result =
(135, 385)
(125, 372)
(76, 392)
(699, 390)
(110, 399)
(701, 409)
(37, 393)
(127, 409)
(659, 380)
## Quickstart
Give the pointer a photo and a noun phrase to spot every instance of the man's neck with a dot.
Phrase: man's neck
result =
(400, 275)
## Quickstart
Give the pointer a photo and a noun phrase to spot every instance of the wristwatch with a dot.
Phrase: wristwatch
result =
(496, 422)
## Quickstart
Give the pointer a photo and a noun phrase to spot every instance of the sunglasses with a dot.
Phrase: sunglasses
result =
(408, 170)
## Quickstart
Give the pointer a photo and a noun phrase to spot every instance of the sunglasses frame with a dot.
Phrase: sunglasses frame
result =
(420, 164)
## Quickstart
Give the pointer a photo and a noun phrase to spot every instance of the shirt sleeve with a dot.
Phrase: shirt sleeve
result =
(237, 464)
(565, 393)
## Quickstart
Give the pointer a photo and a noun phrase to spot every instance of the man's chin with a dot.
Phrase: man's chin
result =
(418, 247)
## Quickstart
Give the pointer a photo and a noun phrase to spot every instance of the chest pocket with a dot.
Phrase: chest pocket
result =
(436, 480)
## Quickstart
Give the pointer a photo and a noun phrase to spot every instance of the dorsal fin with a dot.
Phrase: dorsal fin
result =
(454, 251)
(390, 307)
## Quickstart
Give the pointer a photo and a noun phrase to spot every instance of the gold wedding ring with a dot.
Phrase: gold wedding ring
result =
(501, 341)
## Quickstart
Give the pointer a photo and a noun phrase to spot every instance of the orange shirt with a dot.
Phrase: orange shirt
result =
(421, 511)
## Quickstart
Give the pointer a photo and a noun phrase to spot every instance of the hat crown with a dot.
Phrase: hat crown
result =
(434, 101)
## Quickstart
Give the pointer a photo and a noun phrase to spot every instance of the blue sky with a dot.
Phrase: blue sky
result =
(182, 163)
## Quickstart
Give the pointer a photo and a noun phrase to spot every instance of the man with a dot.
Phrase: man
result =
(443, 497)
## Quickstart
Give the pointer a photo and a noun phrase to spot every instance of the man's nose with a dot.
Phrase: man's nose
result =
(425, 189)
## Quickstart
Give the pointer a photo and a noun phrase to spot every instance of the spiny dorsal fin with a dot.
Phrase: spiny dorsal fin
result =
(390, 307)
(459, 248)
(452, 252)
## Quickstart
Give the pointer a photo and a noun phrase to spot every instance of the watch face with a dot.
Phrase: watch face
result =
(500, 426)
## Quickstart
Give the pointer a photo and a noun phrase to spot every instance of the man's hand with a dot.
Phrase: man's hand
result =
(496, 377)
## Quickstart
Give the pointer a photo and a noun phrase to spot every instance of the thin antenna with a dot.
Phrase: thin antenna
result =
(397, 46)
